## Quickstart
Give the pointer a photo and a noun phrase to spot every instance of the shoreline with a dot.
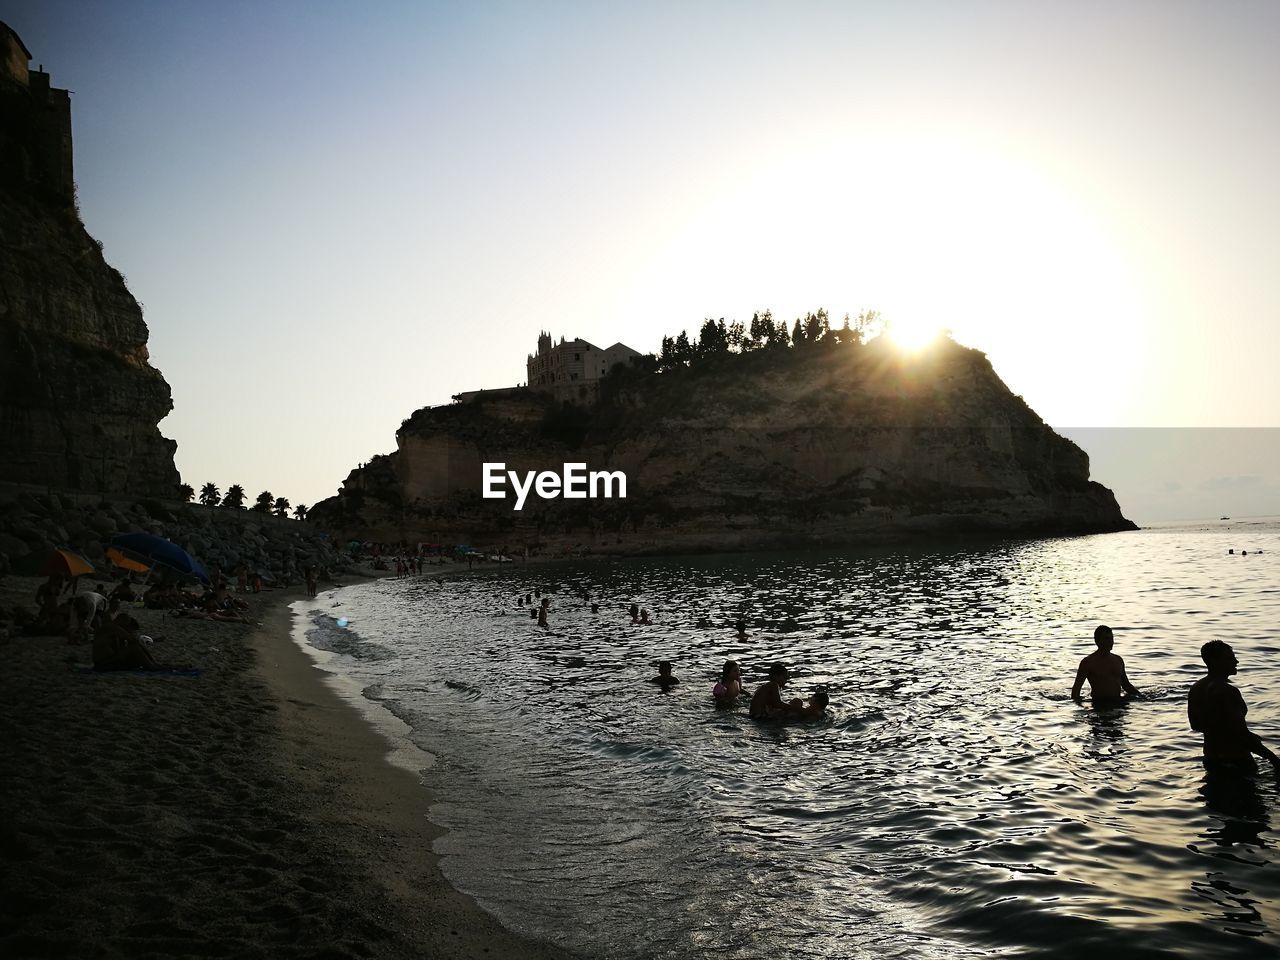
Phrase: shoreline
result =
(249, 811)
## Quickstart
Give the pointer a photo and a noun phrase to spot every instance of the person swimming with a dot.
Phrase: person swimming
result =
(767, 703)
(815, 708)
(729, 686)
(665, 678)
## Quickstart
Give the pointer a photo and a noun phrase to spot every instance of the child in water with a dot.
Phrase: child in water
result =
(729, 686)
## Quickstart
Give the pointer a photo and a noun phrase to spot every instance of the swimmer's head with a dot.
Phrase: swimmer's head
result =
(664, 667)
(1218, 656)
(730, 670)
(741, 626)
(779, 673)
(820, 699)
(1104, 638)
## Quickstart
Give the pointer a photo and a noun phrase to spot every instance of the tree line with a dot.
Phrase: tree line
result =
(763, 333)
(234, 498)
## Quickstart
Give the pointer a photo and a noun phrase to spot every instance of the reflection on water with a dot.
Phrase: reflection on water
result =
(955, 803)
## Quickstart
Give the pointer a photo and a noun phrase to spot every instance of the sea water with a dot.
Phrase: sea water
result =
(956, 802)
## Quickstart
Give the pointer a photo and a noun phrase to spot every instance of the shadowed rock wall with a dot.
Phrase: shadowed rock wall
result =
(79, 401)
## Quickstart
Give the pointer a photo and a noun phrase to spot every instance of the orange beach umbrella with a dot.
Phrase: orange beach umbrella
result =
(66, 563)
(127, 563)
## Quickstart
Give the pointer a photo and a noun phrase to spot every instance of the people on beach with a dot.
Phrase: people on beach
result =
(729, 686)
(83, 614)
(123, 592)
(1104, 670)
(767, 702)
(117, 646)
(1216, 709)
(665, 678)
(312, 586)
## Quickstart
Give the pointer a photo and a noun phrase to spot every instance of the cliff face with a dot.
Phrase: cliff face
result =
(79, 401)
(828, 444)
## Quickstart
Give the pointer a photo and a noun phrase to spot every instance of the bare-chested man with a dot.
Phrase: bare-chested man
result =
(1104, 671)
(767, 703)
(1216, 709)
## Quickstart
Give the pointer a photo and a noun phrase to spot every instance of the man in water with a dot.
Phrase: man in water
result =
(1216, 709)
(665, 678)
(767, 703)
(1104, 671)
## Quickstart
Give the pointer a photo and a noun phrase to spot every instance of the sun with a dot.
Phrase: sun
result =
(912, 335)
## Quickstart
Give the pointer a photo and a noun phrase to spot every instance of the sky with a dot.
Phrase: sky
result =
(337, 213)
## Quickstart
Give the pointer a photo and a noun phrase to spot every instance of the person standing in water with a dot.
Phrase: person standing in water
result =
(1216, 709)
(1104, 670)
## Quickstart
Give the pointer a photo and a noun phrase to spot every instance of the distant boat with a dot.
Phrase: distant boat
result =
(1224, 518)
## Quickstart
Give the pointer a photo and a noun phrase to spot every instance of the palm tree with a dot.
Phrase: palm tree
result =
(264, 502)
(282, 506)
(234, 498)
(300, 511)
(209, 495)
(186, 492)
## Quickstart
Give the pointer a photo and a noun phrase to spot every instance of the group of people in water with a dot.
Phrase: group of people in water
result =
(766, 703)
(1215, 707)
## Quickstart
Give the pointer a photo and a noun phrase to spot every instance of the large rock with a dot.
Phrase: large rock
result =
(79, 400)
(833, 443)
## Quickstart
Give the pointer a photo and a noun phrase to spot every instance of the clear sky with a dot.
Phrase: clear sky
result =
(336, 213)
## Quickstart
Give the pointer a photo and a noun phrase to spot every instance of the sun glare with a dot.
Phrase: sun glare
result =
(936, 233)
(912, 336)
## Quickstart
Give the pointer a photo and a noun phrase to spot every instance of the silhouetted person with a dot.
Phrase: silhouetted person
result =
(741, 627)
(816, 707)
(729, 686)
(635, 613)
(1216, 709)
(767, 704)
(665, 678)
(1104, 671)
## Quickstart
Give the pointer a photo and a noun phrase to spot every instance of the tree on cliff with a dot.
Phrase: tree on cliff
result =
(282, 506)
(234, 498)
(300, 512)
(209, 495)
(713, 339)
(186, 492)
(264, 502)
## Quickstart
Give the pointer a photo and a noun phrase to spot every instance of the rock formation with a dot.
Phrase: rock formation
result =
(824, 444)
(79, 401)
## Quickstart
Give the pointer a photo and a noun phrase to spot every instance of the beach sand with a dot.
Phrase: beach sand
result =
(248, 811)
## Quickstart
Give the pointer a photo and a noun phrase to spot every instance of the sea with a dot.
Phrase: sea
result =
(955, 802)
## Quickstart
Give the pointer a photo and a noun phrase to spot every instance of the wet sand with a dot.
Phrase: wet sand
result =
(244, 812)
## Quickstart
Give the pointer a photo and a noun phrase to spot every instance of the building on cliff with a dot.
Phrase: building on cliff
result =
(37, 143)
(572, 370)
(79, 399)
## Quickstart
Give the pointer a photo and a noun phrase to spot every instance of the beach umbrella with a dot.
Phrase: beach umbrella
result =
(126, 563)
(149, 548)
(65, 563)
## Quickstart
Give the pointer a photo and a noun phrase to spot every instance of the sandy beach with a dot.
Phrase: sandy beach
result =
(247, 811)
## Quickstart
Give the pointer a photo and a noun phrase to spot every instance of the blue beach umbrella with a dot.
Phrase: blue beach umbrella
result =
(149, 548)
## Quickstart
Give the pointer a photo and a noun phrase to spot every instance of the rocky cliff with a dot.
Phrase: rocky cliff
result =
(79, 401)
(826, 444)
